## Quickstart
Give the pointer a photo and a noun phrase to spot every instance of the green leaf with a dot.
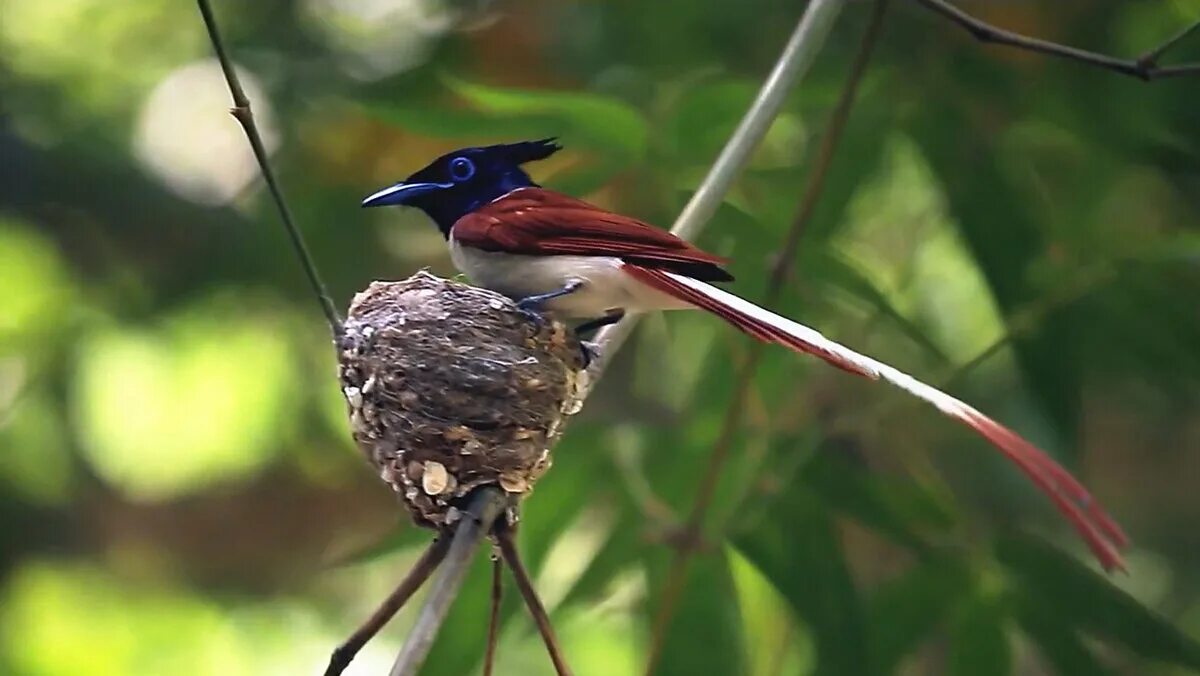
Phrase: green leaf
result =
(1057, 641)
(598, 122)
(798, 549)
(979, 644)
(905, 611)
(1077, 596)
(842, 274)
(901, 510)
(705, 634)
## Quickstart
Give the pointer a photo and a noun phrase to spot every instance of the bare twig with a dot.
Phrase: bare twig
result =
(242, 113)
(489, 655)
(677, 575)
(508, 549)
(420, 572)
(485, 506)
(797, 56)
(1144, 67)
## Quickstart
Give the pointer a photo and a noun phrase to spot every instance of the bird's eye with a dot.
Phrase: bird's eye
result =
(461, 169)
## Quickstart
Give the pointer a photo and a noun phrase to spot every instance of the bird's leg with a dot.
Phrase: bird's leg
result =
(531, 306)
(588, 348)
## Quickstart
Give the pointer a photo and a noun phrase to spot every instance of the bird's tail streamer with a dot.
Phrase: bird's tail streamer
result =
(1102, 535)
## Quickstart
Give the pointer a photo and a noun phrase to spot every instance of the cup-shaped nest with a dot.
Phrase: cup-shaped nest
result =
(450, 387)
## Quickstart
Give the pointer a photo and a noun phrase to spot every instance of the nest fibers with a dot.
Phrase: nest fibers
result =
(449, 388)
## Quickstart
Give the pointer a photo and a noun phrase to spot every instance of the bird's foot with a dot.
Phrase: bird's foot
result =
(531, 310)
(531, 306)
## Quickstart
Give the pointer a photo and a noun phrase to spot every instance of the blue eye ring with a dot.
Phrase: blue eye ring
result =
(461, 169)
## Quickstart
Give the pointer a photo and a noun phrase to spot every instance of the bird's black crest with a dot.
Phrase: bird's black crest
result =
(526, 151)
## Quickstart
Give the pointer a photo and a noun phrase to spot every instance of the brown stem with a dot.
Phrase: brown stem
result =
(489, 656)
(1144, 67)
(486, 503)
(421, 570)
(677, 575)
(245, 116)
(508, 549)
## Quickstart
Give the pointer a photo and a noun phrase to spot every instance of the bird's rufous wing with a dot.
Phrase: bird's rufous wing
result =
(540, 222)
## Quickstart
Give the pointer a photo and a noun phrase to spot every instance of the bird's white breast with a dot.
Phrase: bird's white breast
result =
(604, 286)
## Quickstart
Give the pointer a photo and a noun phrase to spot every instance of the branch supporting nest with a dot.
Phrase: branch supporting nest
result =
(1144, 67)
(508, 550)
(421, 570)
(485, 506)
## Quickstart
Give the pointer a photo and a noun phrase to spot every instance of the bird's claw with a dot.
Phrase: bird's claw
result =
(531, 312)
(588, 351)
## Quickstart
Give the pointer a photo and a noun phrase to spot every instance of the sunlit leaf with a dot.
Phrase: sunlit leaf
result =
(168, 412)
(795, 547)
(705, 634)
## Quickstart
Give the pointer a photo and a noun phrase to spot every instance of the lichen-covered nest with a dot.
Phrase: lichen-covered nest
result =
(449, 387)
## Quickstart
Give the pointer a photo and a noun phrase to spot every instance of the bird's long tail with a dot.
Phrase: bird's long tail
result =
(1102, 535)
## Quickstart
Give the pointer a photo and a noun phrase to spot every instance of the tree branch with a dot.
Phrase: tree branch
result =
(797, 56)
(508, 549)
(489, 655)
(245, 116)
(1144, 67)
(677, 574)
(421, 570)
(486, 504)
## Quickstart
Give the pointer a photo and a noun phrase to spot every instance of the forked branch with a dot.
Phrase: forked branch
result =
(1144, 67)
(485, 507)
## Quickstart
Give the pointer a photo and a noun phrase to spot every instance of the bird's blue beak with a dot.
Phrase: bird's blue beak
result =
(402, 193)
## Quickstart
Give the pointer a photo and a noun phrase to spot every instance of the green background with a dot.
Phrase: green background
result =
(179, 490)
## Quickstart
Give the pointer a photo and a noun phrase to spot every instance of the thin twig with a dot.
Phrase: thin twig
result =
(1144, 67)
(420, 572)
(677, 574)
(485, 506)
(245, 116)
(797, 56)
(489, 655)
(512, 558)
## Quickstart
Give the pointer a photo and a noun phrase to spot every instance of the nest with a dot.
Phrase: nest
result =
(449, 387)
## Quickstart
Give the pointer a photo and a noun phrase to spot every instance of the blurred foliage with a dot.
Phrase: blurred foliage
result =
(180, 494)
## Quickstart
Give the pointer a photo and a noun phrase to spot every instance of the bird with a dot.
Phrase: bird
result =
(552, 253)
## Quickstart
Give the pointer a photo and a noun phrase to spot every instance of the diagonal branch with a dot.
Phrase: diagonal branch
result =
(677, 575)
(420, 572)
(508, 549)
(797, 56)
(486, 504)
(489, 655)
(1144, 67)
(245, 116)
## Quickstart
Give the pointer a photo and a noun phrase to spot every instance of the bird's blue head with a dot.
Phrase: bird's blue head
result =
(457, 183)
